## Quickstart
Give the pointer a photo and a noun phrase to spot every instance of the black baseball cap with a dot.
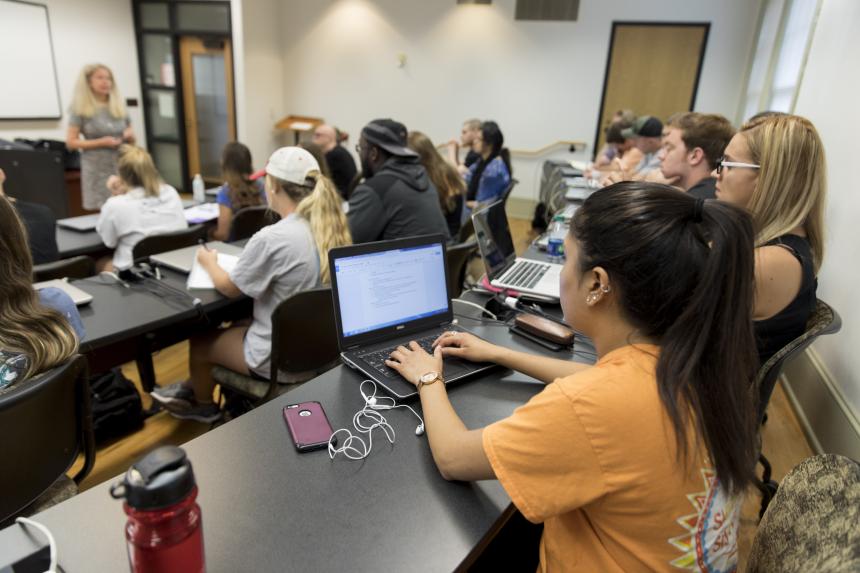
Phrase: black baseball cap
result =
(644, 126)
(389, 135)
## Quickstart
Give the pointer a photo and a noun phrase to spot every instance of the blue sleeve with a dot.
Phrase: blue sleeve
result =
(63, 303)
(470, 173)
(223, 197)
(494, 181)
(261, 185)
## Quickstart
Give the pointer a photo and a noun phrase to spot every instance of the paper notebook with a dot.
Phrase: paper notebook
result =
(199, 278)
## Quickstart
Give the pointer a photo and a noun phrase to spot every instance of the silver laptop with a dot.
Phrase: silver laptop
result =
(79, 297)
(83, 223)
(504, 268)
(386, 294)
(183, 259)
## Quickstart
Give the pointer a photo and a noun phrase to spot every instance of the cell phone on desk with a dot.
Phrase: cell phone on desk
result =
(308, 425)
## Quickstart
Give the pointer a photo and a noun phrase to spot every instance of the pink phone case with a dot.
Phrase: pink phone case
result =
(308, 425)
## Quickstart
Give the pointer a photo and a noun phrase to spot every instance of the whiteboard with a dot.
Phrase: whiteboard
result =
(28, 89)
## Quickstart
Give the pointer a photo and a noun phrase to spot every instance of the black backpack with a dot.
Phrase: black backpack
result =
(117, 409)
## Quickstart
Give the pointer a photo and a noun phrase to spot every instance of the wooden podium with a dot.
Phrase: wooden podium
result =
(299, 124)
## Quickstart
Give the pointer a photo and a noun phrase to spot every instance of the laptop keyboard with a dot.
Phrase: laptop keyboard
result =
(525, 274)
(376, 359)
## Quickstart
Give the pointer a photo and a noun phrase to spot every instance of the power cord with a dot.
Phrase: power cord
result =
(23, 521)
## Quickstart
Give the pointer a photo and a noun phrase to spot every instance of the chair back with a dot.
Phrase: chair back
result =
(812, 522)
(467, 230)
(46, 422)
(457, 257)
(507, 192)
(154, 244)
(79, 267)
(824, 320)
(249, 220)
(304, 335)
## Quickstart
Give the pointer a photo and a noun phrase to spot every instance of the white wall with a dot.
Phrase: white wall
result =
(259, 67)
(541, 81)
(829, 92)
(84, 32)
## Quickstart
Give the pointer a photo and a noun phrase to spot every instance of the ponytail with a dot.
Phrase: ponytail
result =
(322, 208)
(136, 169)
(684, 271)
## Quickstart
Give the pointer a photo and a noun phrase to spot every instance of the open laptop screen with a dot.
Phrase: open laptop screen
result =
(494, 239)
(391, 287)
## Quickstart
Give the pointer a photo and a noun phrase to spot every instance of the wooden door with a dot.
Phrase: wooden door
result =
(207, 91)
(653, 69)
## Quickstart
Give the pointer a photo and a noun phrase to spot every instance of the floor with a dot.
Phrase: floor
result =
(783, 441)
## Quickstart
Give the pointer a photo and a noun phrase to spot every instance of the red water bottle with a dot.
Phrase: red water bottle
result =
(164, 529)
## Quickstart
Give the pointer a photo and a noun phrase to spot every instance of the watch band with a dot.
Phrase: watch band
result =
(422, 383)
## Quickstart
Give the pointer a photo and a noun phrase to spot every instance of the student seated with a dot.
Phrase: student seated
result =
(38, 331)
(142, 205)
(626, 158)
(489, 177)
(238, 190)
(397, 198)
(445, 178)
(279, 260)
(646, 133)
(339, 160)
(640, 461)
(693, 143)
(468, 135)
(41, 225)
(609, 151)
(775, 168)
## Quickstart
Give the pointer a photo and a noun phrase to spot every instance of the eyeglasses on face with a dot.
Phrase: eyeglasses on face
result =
(722, 163)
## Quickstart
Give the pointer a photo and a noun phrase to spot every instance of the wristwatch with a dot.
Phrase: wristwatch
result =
(428, 378)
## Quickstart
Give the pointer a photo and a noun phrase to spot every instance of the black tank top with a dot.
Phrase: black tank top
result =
(775, 332)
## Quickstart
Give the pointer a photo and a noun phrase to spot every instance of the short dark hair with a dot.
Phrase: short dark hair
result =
(710, 132)
(614, 129)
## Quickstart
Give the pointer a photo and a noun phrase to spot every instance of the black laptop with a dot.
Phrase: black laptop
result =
(387, 294)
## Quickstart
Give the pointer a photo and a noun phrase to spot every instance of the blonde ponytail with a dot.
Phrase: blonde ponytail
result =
(323, 210)
(136, 169)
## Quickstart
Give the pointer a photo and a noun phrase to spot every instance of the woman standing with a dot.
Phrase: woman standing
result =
(99, 114)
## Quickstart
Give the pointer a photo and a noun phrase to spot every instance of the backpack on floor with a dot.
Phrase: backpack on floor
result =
(117, 409)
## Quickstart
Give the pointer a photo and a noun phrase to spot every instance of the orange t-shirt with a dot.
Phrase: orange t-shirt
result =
(593, 458)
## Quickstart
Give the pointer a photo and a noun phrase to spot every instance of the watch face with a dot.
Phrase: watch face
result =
(429, 377)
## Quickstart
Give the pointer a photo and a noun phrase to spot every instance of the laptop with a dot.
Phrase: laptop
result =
(182, 260)
(82, 224)
(79, 297)
(386, 294)
(504, 268)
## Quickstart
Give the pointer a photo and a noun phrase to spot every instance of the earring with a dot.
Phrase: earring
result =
(605, 288)
(592, 298)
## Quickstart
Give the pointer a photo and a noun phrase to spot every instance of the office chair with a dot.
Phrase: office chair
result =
(304, 344)
(249, 220)
(154, 244)
(812, 523)
(467, 231)
(824, 320)
(79, 267)
(507, 192)
(46, 422)
(457, 256)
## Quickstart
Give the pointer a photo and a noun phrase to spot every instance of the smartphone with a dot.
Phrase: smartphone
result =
(308, 425)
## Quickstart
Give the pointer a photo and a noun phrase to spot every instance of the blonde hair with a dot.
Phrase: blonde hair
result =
(84, 103)
(442, 174)
(41, 333)
(136, 169)
(792, 180)
(319, 203)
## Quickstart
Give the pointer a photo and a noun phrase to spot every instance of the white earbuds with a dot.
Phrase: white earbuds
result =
(365, 421)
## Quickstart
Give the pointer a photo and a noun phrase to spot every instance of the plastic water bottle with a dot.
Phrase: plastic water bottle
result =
(164, 531)
(555, 244)
(198, 189)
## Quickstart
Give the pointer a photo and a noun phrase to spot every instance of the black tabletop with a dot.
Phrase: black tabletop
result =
(71, 243)
(268, 508)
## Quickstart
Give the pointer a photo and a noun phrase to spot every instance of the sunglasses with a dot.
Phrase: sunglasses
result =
(722, 163)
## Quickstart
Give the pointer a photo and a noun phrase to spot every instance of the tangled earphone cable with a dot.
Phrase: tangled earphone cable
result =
(365, 421)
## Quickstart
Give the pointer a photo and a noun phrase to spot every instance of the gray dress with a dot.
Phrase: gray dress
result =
(98, 164)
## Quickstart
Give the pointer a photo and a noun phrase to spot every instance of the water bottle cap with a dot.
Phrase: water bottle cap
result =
(161, 478)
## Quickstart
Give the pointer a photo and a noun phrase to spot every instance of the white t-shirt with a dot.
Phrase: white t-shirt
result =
(278, 261)
(128, 218)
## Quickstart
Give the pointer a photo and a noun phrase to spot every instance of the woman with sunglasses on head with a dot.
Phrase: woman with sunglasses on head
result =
(638, 462)
(775, 168)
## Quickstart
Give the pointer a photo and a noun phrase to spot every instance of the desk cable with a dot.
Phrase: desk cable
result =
(23, 521)
(365, 421)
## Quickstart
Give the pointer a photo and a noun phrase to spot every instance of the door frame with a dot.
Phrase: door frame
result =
(186, 73)
(615, 25)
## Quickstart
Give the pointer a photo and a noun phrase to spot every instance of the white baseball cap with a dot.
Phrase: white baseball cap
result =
(292, 164)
